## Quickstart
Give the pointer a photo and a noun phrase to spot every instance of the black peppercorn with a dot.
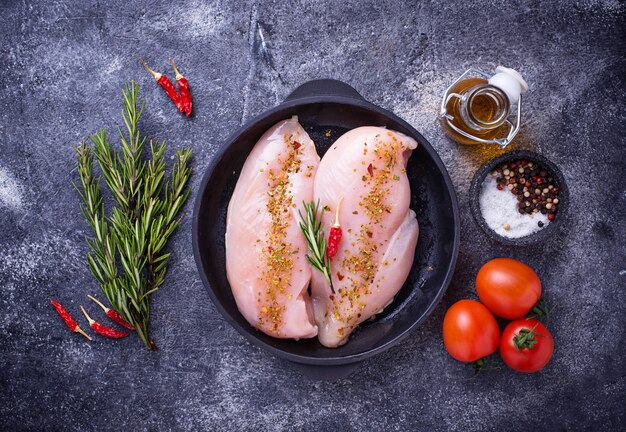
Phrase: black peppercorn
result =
(532, 184)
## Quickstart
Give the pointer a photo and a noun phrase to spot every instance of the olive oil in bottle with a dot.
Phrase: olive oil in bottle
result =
(475, 109)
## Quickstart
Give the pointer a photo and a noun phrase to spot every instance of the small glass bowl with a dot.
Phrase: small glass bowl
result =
(486, 170)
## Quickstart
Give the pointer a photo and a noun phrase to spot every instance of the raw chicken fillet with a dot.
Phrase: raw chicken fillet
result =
(265, 249)
(365, 169)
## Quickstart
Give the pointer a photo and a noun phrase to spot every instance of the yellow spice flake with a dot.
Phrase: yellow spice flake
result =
(277, 252)
(362, 262)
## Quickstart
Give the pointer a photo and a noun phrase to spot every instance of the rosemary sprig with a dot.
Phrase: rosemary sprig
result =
(311, 227)
(126, 253)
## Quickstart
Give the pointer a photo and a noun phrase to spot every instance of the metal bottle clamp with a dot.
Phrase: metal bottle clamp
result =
(443, 113)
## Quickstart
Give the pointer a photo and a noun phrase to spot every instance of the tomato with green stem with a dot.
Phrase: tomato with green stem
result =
(470, 331)
(526, 345)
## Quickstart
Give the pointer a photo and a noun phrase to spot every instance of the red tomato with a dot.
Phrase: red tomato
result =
(526, 345)
(509, 288)
(470, 331)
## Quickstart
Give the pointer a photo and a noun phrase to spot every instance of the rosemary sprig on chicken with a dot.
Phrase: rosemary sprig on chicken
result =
(312, 228)
(135, 233)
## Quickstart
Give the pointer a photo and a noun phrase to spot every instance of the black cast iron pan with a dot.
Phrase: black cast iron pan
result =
(323, 106)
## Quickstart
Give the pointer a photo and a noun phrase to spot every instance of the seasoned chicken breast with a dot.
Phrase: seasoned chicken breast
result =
(265, 249)
(365, 169)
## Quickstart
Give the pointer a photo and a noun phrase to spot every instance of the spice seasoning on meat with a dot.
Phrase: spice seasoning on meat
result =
(360, 263)
(278, 252)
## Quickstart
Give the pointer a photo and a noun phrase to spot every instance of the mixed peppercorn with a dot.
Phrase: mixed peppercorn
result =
(533, 184)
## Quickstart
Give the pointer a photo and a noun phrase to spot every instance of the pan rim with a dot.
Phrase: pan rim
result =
(331, 360)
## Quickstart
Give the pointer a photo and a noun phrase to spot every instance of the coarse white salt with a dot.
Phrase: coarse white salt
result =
(499, 208)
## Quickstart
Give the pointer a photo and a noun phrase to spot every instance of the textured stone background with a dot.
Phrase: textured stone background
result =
(62, 69)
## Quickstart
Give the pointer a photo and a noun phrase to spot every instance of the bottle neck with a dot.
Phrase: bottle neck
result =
(484, 107)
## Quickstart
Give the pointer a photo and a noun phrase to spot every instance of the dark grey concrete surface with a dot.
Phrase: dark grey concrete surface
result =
(62, 67)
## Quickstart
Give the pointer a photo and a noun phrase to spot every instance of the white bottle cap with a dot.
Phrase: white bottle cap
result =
(509, 81)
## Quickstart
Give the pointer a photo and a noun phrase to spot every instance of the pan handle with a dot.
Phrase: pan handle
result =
(325, 373)
(324, 87)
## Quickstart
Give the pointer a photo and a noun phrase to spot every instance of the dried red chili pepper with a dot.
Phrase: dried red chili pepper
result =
(334, 237)
(167, 85)
(67, 318)
(370, 170)
(103, 330)
(183, 88)
(113, 314)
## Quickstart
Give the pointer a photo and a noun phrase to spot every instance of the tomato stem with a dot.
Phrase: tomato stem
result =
(541, 310)
(526, 338)
(479, 366)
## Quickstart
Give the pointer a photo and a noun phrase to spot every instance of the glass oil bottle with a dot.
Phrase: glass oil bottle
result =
(479, 109)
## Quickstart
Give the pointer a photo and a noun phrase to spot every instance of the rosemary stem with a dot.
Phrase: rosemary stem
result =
(312, 228)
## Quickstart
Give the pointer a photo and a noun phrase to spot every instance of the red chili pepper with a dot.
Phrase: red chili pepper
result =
(167, 85)
(183, 88)
(67, 318)
(113, 314)
(370, 170)
(103, 330)
(334, 237)
(296, 145)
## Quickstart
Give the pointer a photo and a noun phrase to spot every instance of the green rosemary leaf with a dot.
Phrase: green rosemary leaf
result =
(143, 219)
(312, 229)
